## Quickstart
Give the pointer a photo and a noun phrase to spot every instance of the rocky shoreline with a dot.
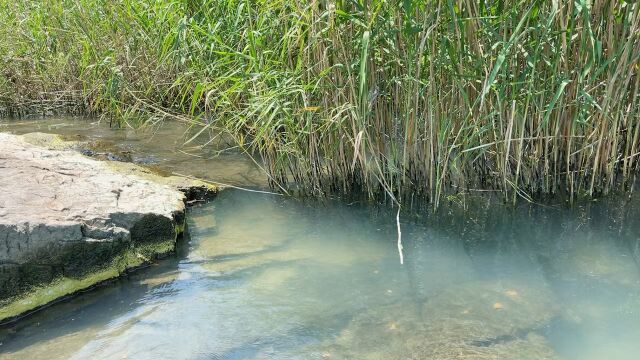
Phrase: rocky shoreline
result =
(69, 222)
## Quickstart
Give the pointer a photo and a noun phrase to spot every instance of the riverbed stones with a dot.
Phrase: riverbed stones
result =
(487, 312)
(461, 322)
(601, 261)
(68, 222)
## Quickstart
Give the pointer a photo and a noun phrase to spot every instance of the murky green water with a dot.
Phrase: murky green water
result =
(265, 277)
(269, 277)
(163, 146)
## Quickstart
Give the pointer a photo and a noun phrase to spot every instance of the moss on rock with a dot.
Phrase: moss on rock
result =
(81, 222)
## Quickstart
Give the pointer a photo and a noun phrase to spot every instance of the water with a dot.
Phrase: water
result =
(270, 277)
(266, 277)
(157, 146)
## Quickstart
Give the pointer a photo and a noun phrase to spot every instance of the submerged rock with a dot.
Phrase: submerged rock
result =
(486, 312)
(603, 262)
(476, 320)
(68, 222)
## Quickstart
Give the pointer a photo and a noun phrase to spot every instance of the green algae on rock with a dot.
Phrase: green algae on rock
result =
(70, 222)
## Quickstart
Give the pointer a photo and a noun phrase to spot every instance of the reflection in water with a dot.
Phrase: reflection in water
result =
(265, 277)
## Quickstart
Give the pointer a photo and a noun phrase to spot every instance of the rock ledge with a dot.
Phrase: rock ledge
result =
(68, 222)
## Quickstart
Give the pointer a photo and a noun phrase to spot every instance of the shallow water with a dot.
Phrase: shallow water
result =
(266, 277)
(161, 145)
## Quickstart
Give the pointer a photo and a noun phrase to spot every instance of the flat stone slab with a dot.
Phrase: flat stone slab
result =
(68, 221)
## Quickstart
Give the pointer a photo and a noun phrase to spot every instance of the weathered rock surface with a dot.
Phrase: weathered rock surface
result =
(68, 221)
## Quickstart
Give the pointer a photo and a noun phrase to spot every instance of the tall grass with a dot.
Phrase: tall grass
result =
(402, 98)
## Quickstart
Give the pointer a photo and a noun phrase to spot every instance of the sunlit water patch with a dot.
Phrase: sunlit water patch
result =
(266, 277)
(169, 146)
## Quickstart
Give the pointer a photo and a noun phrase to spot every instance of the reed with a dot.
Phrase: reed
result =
(400, 98)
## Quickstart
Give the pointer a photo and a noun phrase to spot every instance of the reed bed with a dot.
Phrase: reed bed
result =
(399, 98)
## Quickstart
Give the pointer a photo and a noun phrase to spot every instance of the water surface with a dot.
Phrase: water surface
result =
(267, 277)
(168, 145)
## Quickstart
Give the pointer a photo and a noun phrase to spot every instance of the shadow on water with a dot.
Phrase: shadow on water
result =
(228, 257)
